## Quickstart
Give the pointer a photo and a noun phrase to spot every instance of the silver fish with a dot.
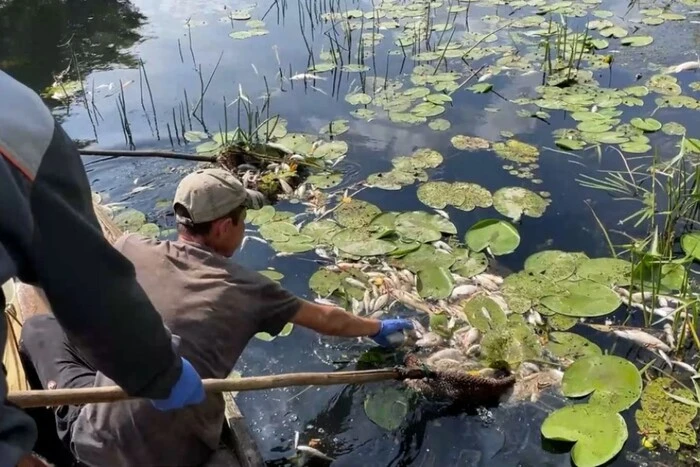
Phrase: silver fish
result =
(313, 452)
(285, 186)
(641, 296)
(685, 366)
(380, 302)
(367, 300)
(357, 306)
(473, 350)
(470, 338)
(301, 76)
(685, 66)
(297, 157)
(452, 354)
(668, 331)
(465, 290)
(534, 318)
(355, 283)
(322, 253)
(325, 301)
(485, 282)
(430, 340)
(642, 338)
(442, 213)
(440, 245)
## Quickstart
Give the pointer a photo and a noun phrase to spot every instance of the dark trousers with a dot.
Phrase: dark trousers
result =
(57, 364)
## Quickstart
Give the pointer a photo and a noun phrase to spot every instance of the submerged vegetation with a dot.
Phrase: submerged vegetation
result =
(538, 323)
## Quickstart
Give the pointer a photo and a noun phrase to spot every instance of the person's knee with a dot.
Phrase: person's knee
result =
(35, 330)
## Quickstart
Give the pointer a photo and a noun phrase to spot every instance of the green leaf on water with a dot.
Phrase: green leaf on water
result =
(245, 34)
(606, 271)
(427, 109)
(208, 147)
(438, 98)
(614, 31)
(469, 143)
(360, 242)
(481, 88)
(673, 129)
(364, 114)
(554, 265)
(149, 230)
(598, 434)
(600, 44)
(426, 158)
(637, 41)
(278, 231)
(358, 98)
(635, 147)
(426, 256)
(325, 179)
(406, 117)
(469, 263)
(474, 196)
(571, 346)
(331, 150)
(438, 195)
(517, 151)
(614, 382)
(690, 243)
(439, 124)
(325, 282)
(321, 231)
(130, 220)
(483, 313)
(423, 227)
(435, 282)
(355, 68)
(335, 127)
(355, 213)
(583, 299)
(195, 136)
(387, 407)
(272, 274)
(570, 144)
(513, 343)
(514, 202)
(646, 124)
(260, 216)
(322, 67)
(500, 237)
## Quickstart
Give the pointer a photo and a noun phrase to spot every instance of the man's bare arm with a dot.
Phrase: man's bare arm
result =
(334, 321)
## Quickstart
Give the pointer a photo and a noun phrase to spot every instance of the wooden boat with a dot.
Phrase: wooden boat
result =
(238, 448)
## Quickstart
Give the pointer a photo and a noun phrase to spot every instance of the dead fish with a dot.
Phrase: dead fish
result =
(664, 311)
(474, 350)
(380, 302)
(492, 277)
(355, 283)
(300, 191)
(357, 306)
(452, 354)
(250, 237)
(640, 297)
(528, 368)
(624, 293)
(301, 76)
(642, 338)
(407, 276)
(440, 245)
(430, 340)
(470, 338)
(313, 452)
(442, 213)
(325, 301)
(465, 290)
(665, 358)
(530, 387)
(685, 366)
(685, 66)
(485, 282)
(297, 157)
(367, 300)
(322, 253)
(534, 318)
(668, 332)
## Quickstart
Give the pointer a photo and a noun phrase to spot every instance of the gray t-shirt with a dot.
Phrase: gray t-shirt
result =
(215, 306)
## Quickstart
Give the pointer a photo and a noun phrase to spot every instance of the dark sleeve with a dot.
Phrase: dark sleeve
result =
(273, 305)
(49, 235)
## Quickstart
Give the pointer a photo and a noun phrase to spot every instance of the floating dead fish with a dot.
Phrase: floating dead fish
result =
(297, 157)
(367, 300)
(624, 293)
(357, 306)
(474, 350)
(530, 387)
(685, 66)
(668, 332)
(534, 318)
(470, 338)
(300, 191)
(685, 366)
(462, 291)
(325, 301)
(665, 358)
(250, 237)
(442, 213)
(322, 253)
(355, 283)
(440, 245)
(313, 452)
(664, 311)
(452, 354)
(301, 76)
(430, 340)
(640, 297)
(380, 302)
(528, 368)
(642, 338)
(486, 282)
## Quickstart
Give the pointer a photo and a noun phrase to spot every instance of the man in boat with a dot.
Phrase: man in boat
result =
(49, 236)
(214, 305)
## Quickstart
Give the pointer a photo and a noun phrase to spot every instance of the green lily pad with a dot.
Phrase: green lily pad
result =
(555, 265)
(278, 231)
(358, 98)
(426, 256)
(474, 196)
(571, 346)
(483, 313)
(272, 274)
(598, 433)
(355, 213)
(149, 230)
(295, 244)
(470, 264)
(561, 322)
(323, 67)
(594, 126)
(195, 136)
(245, 34)
(423, 227)
(426, 158)
(387, 408)
(637, 41)
(321, 231)
(355, 68)
(208, 147)
(690, 243)
(361, 243)
(383, 224)
(417, 93)
(583, 299)
(364, 114)
(130, 220)
(517, 151)
(606, 271)
(335, 127)
(646, 124)
(325, 179)
(614, 382)
(331, 150)
(500, 237)
(570, 144)
(427, 109)
(435, 282)
(260, 216)
(439, 124)
(469, 143)
(267, 337)
(635, 147)
(513, 202)
(481, 88)
(614, 31)
(406, 117)
(239, 15)
(513, 343)
(665, 420)
(600, 44)
(325, 282)
(439, 194)
(673, 129)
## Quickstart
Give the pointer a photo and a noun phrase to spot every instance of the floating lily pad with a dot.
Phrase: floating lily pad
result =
(553, 264)
(500, 237)
(690, 243)
(406, 117)
(355, 68)
(130, 220)
(673, 129)
(513, 343)
(272, 274)
(470, 264)
(239, 15)
(195, 136)
(435, 282)
(665, 420)
(278, 231)
(361, 243)
(481, 88)
(599, 434)
(635, 147)
(323, 67)
(355, 213)
(571, 346)
(426, 256)
(260, 216)
(606, 271)
(358, 98)
(387, 408)
(321, 231)
(483, 313)
(331, 150)
(513, 202)
(426, 158)
(583, 299)
(325, 179)
(439, 124)
(474, 196)
(427, 109)
(637, 41)
(423, 227)
(438, 98)
(325, 282)
(245, 34)
(517, 151)
(646, 124)
(469, 143)
(208, 147)
(570, 144)
(614, 31)
(364, 114)
(438, 195)
(149, 230)
(335, 127)
(614, 382)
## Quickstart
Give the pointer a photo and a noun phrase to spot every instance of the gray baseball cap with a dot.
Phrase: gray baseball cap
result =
(210, 194)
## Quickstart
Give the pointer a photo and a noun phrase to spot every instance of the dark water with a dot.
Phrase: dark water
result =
(108, 37)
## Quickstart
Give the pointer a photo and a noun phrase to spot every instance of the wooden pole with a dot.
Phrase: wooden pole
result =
(78, 396)
(163, 154)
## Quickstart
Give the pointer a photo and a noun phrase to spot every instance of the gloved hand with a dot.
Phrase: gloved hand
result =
(389, 327)
(188, 390)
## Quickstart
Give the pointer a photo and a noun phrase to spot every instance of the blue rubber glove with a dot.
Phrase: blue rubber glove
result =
(389, 327)
(188, 390)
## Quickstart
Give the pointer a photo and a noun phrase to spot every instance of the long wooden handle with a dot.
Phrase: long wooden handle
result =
(78, 396)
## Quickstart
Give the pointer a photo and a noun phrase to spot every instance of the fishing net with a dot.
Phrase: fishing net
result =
(459, 387)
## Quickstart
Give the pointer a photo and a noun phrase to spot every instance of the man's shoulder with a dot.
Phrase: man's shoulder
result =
(133, 240)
